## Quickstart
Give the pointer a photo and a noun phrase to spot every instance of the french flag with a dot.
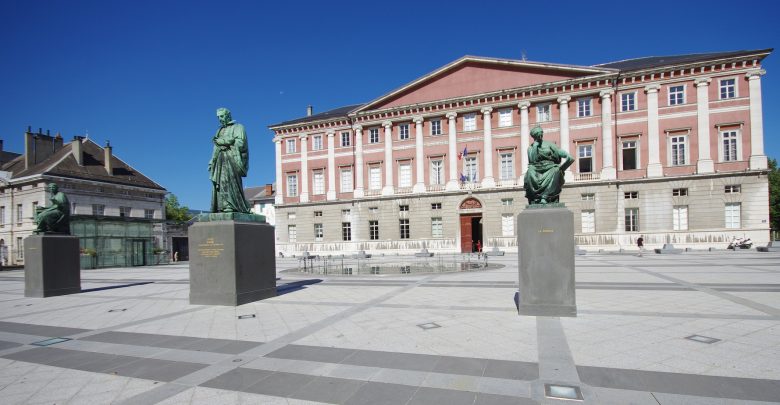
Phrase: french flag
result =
(463, 154)
(462, 178)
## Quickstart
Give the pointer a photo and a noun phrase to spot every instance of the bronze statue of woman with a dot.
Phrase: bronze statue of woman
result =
(544, 178)
(229, 163)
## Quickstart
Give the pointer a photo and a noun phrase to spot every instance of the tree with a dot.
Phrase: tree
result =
(174, 211)
(774, 195)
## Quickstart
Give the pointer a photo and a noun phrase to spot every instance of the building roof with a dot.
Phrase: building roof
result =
(330, 114)
(258, 193)
(63, 164)
(650, 62)
(6, 157)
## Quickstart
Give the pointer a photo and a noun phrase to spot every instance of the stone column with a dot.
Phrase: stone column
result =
(654, 168)
(487, 176)
(359, 191)
(705, 163)
(304, 192)
(331, 166)
(388, 189)
(419, 185)
(758, 159)
(279, 199)
(563, 102)
(525, 135)
(452, 151)
(608, 171)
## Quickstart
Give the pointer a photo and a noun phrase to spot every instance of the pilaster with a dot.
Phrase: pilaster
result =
(419, 185)
(525, 135)
(487, 179)
(389, 188)
(304, 195)
(331, 195)
(654, 168)
(608, 170)
(705, 163)
(563, 102)
(452, 158)
(279, 199)
(758, 159)
(359, 191)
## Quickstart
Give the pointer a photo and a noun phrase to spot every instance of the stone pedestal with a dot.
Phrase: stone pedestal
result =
(545, 244)
(232, 259)
(51, 265)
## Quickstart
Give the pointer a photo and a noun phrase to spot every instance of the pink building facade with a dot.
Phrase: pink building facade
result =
(669, 148)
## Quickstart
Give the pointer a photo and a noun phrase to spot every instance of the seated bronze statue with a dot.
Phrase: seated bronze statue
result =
(544, 178)
(56, 217)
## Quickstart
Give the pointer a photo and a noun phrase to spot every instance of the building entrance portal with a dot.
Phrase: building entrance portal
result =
(470, 232)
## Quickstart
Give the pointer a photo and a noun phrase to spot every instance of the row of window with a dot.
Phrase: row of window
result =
(628, 102)
(679, 218)
(97, 209)
(437, 230)
(676, 192)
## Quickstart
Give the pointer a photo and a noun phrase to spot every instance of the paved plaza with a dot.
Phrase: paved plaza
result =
(693, 328)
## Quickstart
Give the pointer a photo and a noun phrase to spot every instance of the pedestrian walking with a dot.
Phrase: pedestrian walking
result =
(640, 243)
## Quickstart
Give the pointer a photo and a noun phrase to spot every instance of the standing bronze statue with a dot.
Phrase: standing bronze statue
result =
(544, 178)
(229, 163)
(56, 217)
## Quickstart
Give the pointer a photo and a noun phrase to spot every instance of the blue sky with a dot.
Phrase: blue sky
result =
(149, 75)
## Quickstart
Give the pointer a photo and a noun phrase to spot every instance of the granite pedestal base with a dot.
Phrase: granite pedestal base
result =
(51, 265)
(545, 242)
(231, 262)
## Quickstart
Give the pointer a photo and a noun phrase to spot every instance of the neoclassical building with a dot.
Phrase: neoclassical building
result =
(670, 148)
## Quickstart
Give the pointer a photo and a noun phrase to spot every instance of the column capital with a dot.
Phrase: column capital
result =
(702, 81)
(486, 110)
(303, 136)
(652, 88)
(331, 133)
(451, 115)
(564, 99)
(605, 94)
(418, 119)
(755, 74)
(387, 124)
(524, 105)
(357, 127)
(277, 139)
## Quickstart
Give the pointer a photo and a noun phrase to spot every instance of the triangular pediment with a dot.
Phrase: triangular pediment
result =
(474, 75)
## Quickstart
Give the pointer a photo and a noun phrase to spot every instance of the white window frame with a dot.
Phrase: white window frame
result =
(588, 196)
(471, 162)
(733, 216)
(505, 117)
(403, 132)
(290, 142)
(737, 137)
(507, 201)
(346, 139)
(584, 107)
(319, 233)
(506, 169)
(345, 180)
(405, 173)
(318, 182)
(469, 122)
(437, 227)
(148, 214)
(437, 171)
(732, 189)
(633, 226)
(292, 186)
(436, 129)
(588, 221)
(375, 177)
(686, 152)
(373, 229)
(637, 152)
(292, 233)
(404, 223)
(589, 147)
(671, 97)
(507, 224)
(544, 112)
(680, 218)
(373, 135)
(721, 87)
(316, 142)
(628, 106)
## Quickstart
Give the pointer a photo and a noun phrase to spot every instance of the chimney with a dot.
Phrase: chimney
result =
(269, 188)
(57, 142)
(107, 156)
(309, 110)
(29, 149)
(76, 150)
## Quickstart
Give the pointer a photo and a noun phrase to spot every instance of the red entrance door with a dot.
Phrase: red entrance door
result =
(465, 234)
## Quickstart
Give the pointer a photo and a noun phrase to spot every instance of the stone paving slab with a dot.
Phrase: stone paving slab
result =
(446, 338)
